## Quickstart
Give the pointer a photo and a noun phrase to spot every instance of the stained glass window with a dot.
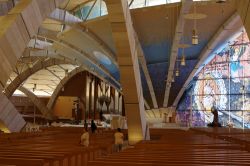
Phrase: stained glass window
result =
(223, 83)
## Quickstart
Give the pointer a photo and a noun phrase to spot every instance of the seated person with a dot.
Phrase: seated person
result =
(215, 122)
(85, 138)
(118, 140)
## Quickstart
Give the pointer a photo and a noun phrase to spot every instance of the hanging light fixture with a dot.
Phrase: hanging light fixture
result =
(177, 73)
(195, 39)
(34, 88)
(183, 60)
(183, 46)
(195, 16)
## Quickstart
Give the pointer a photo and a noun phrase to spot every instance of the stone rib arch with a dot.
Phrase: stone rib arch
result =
(10, 89)
(37, 102)
(61, 84)
(19, 27)
(83, 29)
(61, 46)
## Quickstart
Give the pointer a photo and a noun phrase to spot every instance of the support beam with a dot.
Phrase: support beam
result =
(143, 63)
(17, 30)
(10, 89)
(72, 52)
(9, 116)
(88, 33)
(37, 102)
(146, 104)
(54, 74)
(226, 29)
(243, 9)
(127, 55)
(186, 5)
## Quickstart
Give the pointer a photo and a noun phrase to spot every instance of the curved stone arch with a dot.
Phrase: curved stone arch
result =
(19, 28)
(65, 80)
(95, 38)
(61, 84)
(69, 46)
(81, 28)
(10, 89)
(37, 102)
(17, 31)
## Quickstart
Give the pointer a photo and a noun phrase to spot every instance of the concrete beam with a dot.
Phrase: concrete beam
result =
(37, 102)
(10, 89)
(186, 5)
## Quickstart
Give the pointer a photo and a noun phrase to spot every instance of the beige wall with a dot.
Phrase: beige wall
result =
(63, 107)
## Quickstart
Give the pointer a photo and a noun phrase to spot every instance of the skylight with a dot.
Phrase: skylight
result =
(94, 9)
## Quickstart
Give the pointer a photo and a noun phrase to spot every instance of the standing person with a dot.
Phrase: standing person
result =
(85, 125)
(118, 140)
(85, 138)
(101, 115)
(93, 126)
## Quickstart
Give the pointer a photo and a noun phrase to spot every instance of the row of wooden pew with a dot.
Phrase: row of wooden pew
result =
(178, 147)
(53, 147)
(233, 135)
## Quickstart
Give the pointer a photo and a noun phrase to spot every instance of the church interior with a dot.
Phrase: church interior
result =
(173, 75)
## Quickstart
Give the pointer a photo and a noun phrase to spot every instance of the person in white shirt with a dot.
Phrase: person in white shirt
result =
(118, 140)
(85, 138)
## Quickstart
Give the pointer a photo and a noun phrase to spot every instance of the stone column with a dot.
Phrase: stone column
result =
(127, 56)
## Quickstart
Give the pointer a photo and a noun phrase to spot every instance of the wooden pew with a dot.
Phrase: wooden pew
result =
(53, 147)
(176, 147)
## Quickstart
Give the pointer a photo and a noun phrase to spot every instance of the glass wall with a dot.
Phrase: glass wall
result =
(94, 9)
(224, 83)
